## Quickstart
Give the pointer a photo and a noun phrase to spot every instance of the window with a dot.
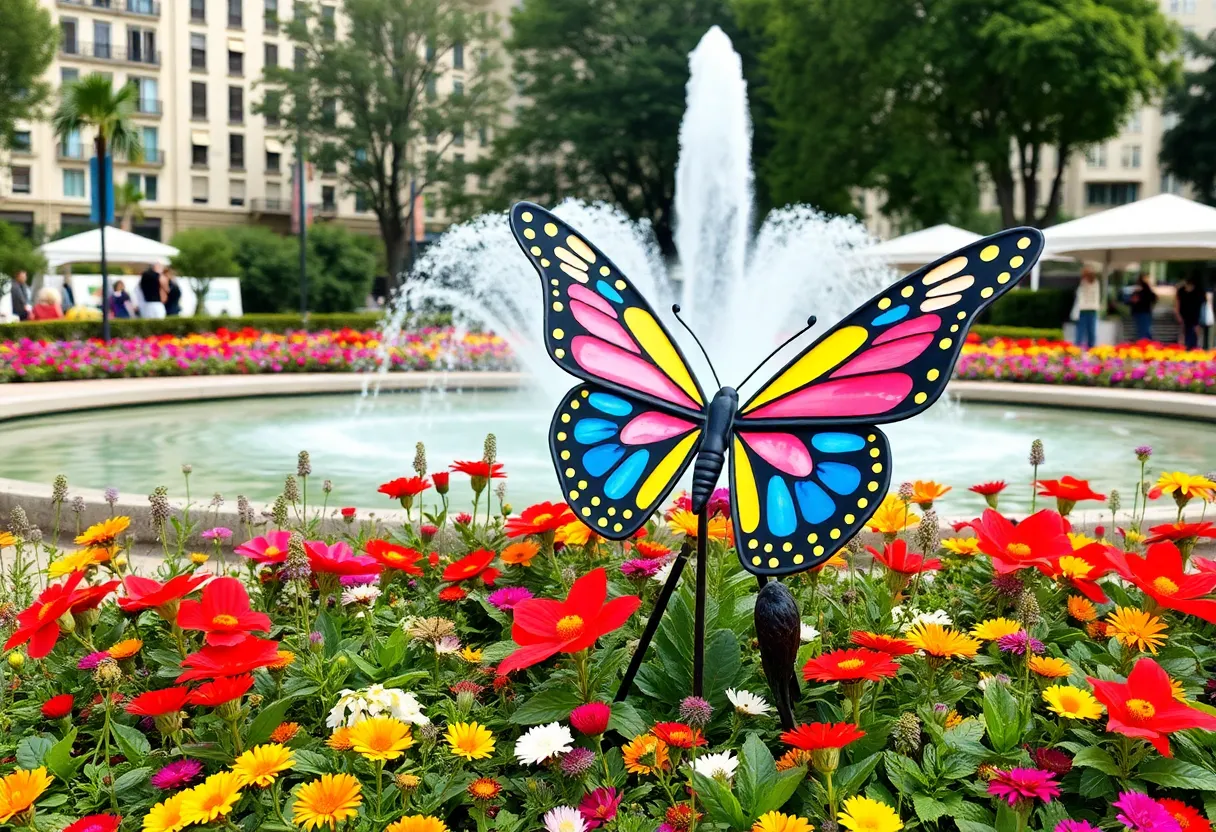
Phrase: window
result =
(1131, 156)
(150, 136)
(274, 161)
(236, 192)
(329, 200)
(329, 112)
(236, 151)
(274, 196)
(147, 95)
(68, 75)
(1133, 123)
(141, 45)
(236, 105)
(458, 137)
(271, 14)
(67, 36)
(198, 190)
(236, 63)
(101, 40)
(328, 25)
(198, 51)
(21, 179)
(270, 54)
(457, 56)
(1170, 184)
(299, 58)
(236, 15)
(198, 99)
(1095, 157)
(147, 184)
(73, 146)
(457, 89)
(1111, 193)
(327, 159)
(430, 51)
(198, 155)
(73, 184)
(432, 88)
(22, 143)
(272, 102)
(198, 10)
(362, 203)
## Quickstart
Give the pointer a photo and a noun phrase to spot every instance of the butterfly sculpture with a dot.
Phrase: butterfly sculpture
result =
(808, 464)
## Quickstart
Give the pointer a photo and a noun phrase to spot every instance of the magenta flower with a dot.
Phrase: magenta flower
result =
(1069, 825)
(218, 533)
(506, 598)
(599, 806)
(177, 774)
(91, 660)
(269, 548)
(1140, 813)
(1023, 785)
(642, 568)
(1017, 643)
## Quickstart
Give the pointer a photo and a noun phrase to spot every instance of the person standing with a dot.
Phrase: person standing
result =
(1188, 306)
(1087, 305)
(152, 287)
(173, 295)
(120, 301)
(23, 305)
(1142, 302)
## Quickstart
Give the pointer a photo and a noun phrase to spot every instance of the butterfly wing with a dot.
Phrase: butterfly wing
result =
(800, 493)
(597, 325)
(891, 358)
(618, 456)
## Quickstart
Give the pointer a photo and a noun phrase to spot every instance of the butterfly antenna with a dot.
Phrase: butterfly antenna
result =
(675, 310)
(810, 322)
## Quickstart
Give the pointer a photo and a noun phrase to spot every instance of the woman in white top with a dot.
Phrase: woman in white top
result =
(1087, 305)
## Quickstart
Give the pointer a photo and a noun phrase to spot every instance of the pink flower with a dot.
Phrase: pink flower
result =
(506, 598)
(1069, 825)
(1140, 813)
(591, 719)
(338, 559)
(599, 806)
(218, 533)
(269, 548)
(177, 774)
(1024, 785)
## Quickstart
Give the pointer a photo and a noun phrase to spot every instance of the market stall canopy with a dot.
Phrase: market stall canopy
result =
(1164, 227)
(121, 247)
(911, 251)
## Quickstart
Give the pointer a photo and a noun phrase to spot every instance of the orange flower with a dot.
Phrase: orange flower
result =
(126, 649)
(646, 754)
(924, 492)
(1081, 609)
(520, 553)
(651, 550)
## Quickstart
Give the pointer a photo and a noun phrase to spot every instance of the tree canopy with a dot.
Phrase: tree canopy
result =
(28, 39)
(1188, 149)
(203, 255)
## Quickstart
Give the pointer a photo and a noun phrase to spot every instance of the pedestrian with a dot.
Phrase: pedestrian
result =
(120, 301)
(1085, 308)
(1188, 306)
(19, 291)
(48, 307)
(1142, 302)
(173, 295)
(152, 287)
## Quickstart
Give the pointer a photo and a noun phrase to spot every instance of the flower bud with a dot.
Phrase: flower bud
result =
(16, 660)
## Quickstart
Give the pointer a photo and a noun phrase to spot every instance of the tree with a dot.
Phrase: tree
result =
(380, 98)
(203, 255)
(128, 204)
(17, 253)
(602, 83)
(28, 39)
(1188, 149)
(916, 98)
(341, 267)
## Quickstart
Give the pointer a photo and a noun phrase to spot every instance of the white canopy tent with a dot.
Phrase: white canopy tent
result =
(911, 251)
(1164, 227)
(121, 247)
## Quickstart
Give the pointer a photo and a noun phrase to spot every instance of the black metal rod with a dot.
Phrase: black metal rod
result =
(300, 184)
(102, 186)
(652, 623)
(698, 624)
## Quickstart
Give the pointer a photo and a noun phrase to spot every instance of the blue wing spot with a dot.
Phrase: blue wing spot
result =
(837, 443)
(612, 405)
(624, 478)
(594, 431)
(608, 292)
(814, 502)
(841, 478)
(891, 316)
(782, 521)
(599, 460)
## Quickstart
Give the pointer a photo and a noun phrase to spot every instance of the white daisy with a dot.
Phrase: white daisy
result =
(405, 706)
(543, 742)
(808, 633)
(908, 618)
(447, 644)
(360, 594)
(720, 766)
(564, 819)
(747, 703)
(354, 706)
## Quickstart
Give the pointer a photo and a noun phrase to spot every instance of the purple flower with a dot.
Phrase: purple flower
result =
(1140, 813)
(315, 637)
(507, 597)
(1017, 643)
(642, 568)
(696, 711)
(1144, 452)
(177, 774)
(577, 761)
(218, 533)
(357, 580)
(90, 661)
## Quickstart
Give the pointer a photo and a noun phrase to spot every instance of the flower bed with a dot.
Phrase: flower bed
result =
(457, 672)
(1144, 365)
(247, 352)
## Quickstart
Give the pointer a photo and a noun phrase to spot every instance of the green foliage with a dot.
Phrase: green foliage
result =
(1188, 149)
(94, 103)
(203, 254)
(17, 253)
(63, 330)
(28, 39)
(987, 332)
(1024, 308)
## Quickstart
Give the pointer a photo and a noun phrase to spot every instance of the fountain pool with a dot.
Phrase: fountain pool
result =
(249, 446)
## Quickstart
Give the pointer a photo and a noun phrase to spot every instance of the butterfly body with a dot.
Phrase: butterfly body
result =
(711, 455)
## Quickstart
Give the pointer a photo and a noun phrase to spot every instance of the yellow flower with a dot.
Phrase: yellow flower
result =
(417, 823)
(1136, 628)
(834, 562)
(1075, 569)
(646, 754)
(20, 790)
(260, 765)
(1132, 537)
(892, 516)
(166, 816)
(1072, 702)
(685, 523)
(954, 719)
(103, 533)
(126, 648)
(199, 558)
(962, 545)
(520, 553)
(1081, 608)
(1080, 540)
(212, 798)
(924, 492)
(472, 655)
(994, 628)
(7, 539)
(577, 533)
(75, 562)
(1050, 667)
(327, 800)
(1185, 486)
(861, 814)
(1177, 690)
(284, 660)
(942, 642)
(339, 740)
(470, 740)
(381, 738)
(778, 822)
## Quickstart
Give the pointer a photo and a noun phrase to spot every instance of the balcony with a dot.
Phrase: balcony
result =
(270, 206)
(143, 56)
(151, 158)
(108, 52)
(149, 107)
(325, 209)
(143, 8)
(68, 152)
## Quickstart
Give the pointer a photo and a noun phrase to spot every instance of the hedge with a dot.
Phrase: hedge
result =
(63, 330)
(988, 332)
(1024, 308)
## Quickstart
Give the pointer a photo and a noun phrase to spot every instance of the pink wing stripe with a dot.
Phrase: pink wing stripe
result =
(590, 298)
(653, 426)
(602, 326)
(886, 357)
(925, 323)
(866, 396)
(614, 364)
(784, 451)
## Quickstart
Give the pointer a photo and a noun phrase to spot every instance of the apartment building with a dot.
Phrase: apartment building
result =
(209, 159)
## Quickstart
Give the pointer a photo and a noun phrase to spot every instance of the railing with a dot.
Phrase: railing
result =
(149, 106)
(325, 208)
(84, 49)
(270, 206)
(151, 157)
(143, 56)
(148, 7)
(65, 151)
(151, 8)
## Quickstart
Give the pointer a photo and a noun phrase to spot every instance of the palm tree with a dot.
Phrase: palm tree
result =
(128, 199)
(92, 102)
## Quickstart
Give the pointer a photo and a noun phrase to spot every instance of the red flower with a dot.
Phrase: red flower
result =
(214, 694)
(1182, 531)
(986, 489)
(850, 665)
(432, 559)
(223, 614)
(591, 719)
(463, 519)
(269, 548)
(1035, 542)
(39, 622)
(542, 627)
(678, 735)
(159, 702)
(896, 557)
(1068, 492)
(441, 479)
(58, 707)
(650, 549)
(94, 823)
(890, 645)
(1159, 575)
(338, 559)
(90, 597)
(816, 735)
(405, 489)
(1049, 759)
(214, 662)
(348, 511)
(146, 594)
(472, 565)
(480, 469)
(542, 518)
(392, 556)
(453, 593)
(1188, 818)
(1144, 706)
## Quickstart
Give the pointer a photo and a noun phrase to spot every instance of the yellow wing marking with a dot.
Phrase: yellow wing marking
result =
(657, 345)
(747, 497)
(665, 472)
(826, 355)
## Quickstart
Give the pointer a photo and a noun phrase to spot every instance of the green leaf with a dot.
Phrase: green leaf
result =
(329, 631)
(783, 788)
(1006, 818)
(1092, 757)
(905, 775)
(134, 744)
(1177, 774)
(31, 751)
(626, 720)
(757, 771)
(1001, 718)
(720, 804)
(59, 758)
(849, 778)
(929, 809)
(266, 721)
(312, 762)
(131, 779)
(722, 663)
(392, 650)
(972, 826)
(1095, 784)
(547, 706)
